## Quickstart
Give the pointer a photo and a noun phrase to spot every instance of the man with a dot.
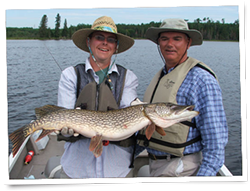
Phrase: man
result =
(196, 147)
(99, 84)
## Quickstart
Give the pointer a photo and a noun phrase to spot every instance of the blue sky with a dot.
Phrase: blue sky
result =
(31, 17)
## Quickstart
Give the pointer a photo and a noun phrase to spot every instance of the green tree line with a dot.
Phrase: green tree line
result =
(210, 30)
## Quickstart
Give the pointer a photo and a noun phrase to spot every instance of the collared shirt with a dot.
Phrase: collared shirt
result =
(201, 89)
(77, 161)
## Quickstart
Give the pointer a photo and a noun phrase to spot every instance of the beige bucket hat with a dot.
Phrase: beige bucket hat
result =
(174, 25)
(105, 24)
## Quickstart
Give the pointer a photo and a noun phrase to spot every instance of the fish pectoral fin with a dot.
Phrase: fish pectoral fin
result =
(95, 141)
(43, 134)
(150, 130)
(41, 111)
(160, 130)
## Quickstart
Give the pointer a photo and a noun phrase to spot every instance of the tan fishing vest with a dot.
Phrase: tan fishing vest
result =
(166, 91)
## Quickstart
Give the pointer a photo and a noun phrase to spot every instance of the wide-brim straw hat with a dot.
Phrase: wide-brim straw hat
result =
(104, 24)
(174, 25)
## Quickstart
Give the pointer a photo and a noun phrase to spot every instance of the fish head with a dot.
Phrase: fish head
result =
(174, 111)
(167, 114)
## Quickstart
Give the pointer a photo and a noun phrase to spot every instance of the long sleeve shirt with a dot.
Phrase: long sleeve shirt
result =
(77, 161)
(201, 89)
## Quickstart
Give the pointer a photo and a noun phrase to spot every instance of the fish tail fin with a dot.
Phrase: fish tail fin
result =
(18, 137)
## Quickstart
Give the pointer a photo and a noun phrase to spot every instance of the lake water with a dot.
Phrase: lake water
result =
(33, 77)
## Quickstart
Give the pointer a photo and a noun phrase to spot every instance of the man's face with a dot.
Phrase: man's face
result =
(173, 46)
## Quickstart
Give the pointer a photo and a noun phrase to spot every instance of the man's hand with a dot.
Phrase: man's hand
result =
(67, 132)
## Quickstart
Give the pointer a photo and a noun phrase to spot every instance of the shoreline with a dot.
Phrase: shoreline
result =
(204, 40)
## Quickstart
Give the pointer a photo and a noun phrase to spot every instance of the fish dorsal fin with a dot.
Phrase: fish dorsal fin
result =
(41, 111)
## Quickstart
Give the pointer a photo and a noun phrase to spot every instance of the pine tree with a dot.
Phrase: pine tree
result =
(43, 32)
(65, 29)
(57, 30)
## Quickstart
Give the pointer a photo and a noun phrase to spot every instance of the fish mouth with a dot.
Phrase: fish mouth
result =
(190, 108)
(184, 109)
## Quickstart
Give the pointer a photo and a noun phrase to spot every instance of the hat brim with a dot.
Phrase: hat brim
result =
(153, 34)
(80, 36)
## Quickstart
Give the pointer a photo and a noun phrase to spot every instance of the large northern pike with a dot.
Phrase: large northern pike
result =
(112, 125)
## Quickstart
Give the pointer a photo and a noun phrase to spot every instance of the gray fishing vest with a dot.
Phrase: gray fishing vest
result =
(165, 89)
(99, 97)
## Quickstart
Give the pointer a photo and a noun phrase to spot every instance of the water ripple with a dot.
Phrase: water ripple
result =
(33, 76)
